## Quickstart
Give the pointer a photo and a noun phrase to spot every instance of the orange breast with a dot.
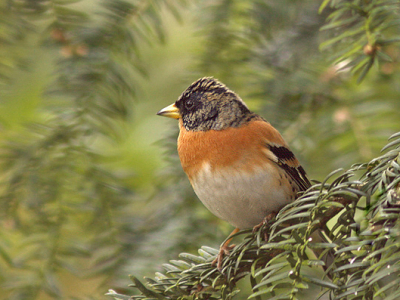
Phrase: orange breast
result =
(242, 147)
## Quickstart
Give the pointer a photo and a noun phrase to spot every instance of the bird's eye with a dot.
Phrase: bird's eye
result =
(189, 104)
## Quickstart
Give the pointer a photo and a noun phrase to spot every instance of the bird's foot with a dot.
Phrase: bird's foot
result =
(265, 221)
(224, 250)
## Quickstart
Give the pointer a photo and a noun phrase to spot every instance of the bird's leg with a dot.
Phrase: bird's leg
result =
(265, 221)
(224, 249)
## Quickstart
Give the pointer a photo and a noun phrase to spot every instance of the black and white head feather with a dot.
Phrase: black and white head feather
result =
(208, 104)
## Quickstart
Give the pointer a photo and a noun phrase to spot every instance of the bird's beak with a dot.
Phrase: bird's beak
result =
(171, 111)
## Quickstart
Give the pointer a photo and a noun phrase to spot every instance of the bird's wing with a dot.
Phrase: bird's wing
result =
(288, 162)
(278, 151)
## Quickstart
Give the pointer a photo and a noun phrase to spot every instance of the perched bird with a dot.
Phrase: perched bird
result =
(239, 166)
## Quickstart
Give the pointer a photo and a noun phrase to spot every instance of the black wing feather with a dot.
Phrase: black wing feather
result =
(296, 173)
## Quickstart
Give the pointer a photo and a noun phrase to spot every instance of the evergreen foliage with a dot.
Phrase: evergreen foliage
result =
(365, 241)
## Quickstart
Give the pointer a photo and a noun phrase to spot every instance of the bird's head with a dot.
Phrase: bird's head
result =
(208, 104)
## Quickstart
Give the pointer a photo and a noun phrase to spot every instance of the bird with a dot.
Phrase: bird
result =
(238, 164)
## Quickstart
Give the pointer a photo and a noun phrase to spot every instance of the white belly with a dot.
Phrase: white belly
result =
(242, 199)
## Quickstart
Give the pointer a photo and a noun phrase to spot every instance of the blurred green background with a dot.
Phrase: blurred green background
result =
(91, 185)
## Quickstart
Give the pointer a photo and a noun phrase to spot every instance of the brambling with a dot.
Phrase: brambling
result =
(239, 166)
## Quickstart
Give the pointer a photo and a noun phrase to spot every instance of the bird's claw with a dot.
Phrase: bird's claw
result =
(265, 221)
(224, 250)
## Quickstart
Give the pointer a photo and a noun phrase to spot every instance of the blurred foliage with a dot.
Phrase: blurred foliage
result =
(364, 27)
(85, 196)
(63, 211)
